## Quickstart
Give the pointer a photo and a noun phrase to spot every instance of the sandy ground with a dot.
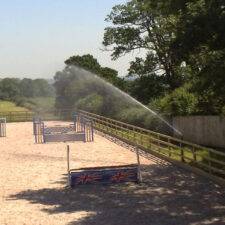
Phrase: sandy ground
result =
(33, 187)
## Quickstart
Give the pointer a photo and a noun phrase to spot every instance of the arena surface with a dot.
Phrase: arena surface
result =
(33, 187)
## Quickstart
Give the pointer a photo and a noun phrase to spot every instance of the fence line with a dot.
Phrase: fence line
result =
(17, 116)
(22, 116)
(206, 159)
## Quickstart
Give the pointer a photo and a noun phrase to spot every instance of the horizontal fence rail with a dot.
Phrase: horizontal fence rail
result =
(209, 160)
(22, 116)
(17, 116)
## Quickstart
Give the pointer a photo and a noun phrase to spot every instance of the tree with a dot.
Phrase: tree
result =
(91, 64)
(178, 103)
(78, 88)
(42, 88)
(9, 88)
(27, 87)
(146, 88)
(87, 62)
(22, 91)
(184, 43)
(145, 25)
(201, 44)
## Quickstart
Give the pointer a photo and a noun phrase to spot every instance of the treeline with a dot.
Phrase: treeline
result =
(78, 88)
(81, 86)
(182, 73)
(21, 91)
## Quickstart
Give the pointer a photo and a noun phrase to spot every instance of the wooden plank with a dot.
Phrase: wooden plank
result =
(212, 168)
(214, 160)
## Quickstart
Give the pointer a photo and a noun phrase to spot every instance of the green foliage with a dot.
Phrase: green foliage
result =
(180, 102)
(40, 103)
(87, 89)
(76, 87)
(41, 88)
(88, 62)
(9, 88)
(184, 43)
(200, 43)
(20, 91)
(6, 106)
(183, 69)
(146, 88)
(133, 115)
(27, 87)
(147, 25)
(209, 83)
(139, 116)
(92, 103)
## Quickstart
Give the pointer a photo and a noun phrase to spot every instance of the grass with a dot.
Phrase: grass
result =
(39, 103)
(6, 106)
(46, 103)
(29, 104)
(14, 113)
(199, 158)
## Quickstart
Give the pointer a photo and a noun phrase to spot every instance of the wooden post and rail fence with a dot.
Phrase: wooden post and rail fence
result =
(199, 159)
(206, 161)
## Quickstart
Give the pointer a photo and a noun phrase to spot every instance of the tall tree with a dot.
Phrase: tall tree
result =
(27, 87)
(9, 88)
(184, 41)
(82, 89)
(87, 62)
(145, 25)
(91, 64)
(201, 44)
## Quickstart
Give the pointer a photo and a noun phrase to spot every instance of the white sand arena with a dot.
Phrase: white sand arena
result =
(33, 180)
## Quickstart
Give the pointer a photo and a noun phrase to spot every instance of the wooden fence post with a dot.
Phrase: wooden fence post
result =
(181, 152)
(139, 167)
(68, 165)
(194, 154)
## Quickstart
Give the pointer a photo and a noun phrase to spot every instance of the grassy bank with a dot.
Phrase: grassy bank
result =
(7, 106)
(41, 103)
(28, 104)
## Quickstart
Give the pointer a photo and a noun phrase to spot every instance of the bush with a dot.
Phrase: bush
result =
(143, 118)
(133, 116)
(180, 103)
(92, 103)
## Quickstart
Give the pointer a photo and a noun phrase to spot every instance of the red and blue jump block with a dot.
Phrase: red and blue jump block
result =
(104, 175)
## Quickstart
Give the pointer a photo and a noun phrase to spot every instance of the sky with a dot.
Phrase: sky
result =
(36, 37)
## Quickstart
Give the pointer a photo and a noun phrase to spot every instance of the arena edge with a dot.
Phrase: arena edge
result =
(204, 161)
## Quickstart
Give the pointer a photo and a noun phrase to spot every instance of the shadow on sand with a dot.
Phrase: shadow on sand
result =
(168, 195)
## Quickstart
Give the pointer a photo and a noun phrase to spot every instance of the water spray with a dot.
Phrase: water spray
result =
(112, 87)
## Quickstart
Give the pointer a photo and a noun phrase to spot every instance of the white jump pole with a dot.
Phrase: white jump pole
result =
(68, 165)
(139, 168)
